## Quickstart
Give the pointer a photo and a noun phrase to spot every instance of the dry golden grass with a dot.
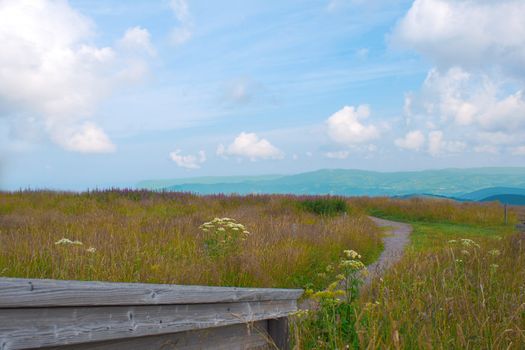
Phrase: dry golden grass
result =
(155, 237)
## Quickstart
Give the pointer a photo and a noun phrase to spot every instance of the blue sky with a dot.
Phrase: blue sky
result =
(99, 93)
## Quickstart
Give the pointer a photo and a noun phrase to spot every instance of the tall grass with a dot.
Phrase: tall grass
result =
(460, 285)
(462, 297)
(155, 237)
(434, 210)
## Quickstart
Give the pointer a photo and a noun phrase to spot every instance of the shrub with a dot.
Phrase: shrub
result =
(325, 206)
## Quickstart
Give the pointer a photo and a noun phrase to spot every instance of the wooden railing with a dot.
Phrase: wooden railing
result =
(101, 315)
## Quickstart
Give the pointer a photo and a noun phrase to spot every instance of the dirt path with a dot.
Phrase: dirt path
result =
(394, 241)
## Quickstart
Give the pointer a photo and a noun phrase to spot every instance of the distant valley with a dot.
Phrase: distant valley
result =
(475, 184)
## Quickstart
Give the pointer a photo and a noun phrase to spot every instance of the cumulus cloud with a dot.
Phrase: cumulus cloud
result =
(471, 34)
(88, 138)
(346, 127)
(138, 39)
(476, 87)
(413, 140)
(474, 105)
(437, 145)
(188, 161)
(50, 70)
(249, 145)
(181, 34)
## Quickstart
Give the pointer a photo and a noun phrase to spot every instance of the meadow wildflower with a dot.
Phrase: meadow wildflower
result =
(91, 250)
(66, 241)
(355, 265)
(469, 243)
(352, 254)
(494, 252)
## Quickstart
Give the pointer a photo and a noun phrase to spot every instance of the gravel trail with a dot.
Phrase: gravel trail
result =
(394, 241)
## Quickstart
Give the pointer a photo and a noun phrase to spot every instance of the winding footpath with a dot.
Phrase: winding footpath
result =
(395, 241)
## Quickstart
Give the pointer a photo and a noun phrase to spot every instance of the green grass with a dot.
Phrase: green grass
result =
(445, 293)
(434, 236)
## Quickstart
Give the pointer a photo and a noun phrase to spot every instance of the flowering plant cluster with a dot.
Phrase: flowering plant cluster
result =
(223, 236)
(351, 271)
(68, 242)
(335, 306)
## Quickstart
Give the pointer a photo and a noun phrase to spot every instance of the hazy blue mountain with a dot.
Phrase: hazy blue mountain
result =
(164, 183)
(445, 182)
(512, 199)
(493, 191)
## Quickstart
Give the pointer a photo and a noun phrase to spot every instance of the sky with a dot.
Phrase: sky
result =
(107, 93)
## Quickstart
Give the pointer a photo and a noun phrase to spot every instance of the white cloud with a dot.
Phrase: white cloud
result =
(413, 140)
(471, 34)
(52, 71)
(345, 126)
(249, 145)
(188, 161)
(438, 146)
(181, 34)
(337, 154)
(87, 139)
(139, 39)
(476, 106)
(181, 10)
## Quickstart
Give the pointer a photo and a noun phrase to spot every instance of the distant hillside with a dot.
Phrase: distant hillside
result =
(445, 182)
(164, 183)
(492, 192)
(512, 199)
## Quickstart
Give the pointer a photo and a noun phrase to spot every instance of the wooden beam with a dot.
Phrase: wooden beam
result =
(38, 327)
(19, 292)
(239, 336)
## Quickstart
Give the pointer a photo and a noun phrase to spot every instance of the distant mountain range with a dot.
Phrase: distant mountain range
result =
(475, 184)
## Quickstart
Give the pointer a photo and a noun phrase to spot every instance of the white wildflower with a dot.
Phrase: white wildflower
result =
(469, 243)
(67, 241)
(494, 252)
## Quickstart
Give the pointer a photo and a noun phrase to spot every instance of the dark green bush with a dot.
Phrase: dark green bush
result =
(324, 206)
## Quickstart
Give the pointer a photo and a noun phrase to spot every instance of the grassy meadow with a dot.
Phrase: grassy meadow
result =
(140, 236)
(460, 285)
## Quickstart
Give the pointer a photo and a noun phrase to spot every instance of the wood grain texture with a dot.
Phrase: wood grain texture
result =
(37, 327)
(18, 292)
(235, 337)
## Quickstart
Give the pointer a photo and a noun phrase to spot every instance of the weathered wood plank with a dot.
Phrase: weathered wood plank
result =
(18, 292)
(235, 337)
(38, 327)
(278, 331)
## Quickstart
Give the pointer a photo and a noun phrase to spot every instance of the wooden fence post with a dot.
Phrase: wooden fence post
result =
(278, 331)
